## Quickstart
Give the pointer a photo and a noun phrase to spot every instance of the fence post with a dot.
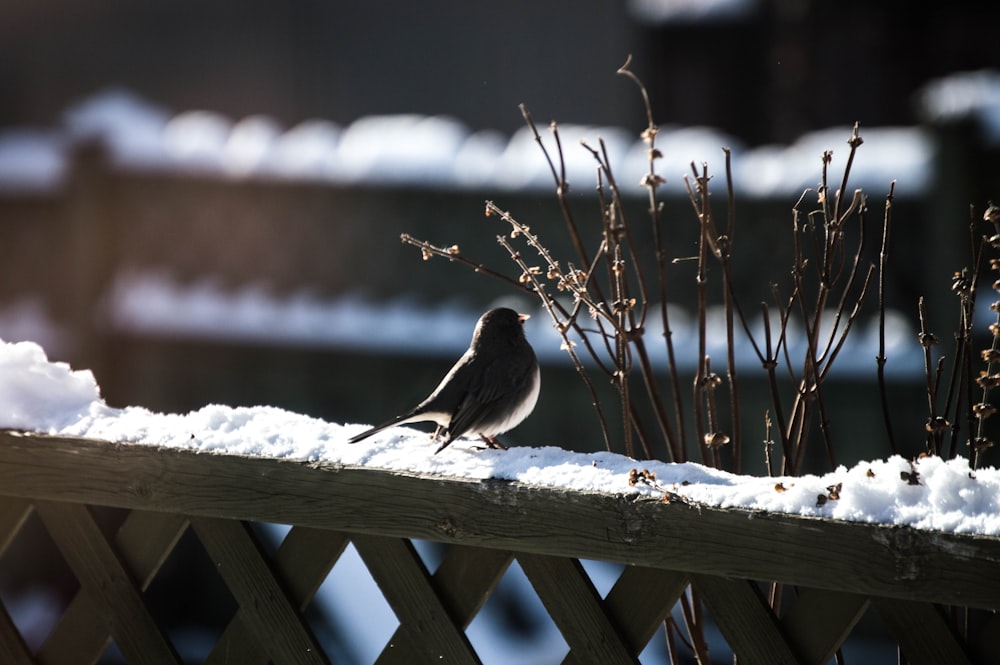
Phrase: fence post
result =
(93, 241)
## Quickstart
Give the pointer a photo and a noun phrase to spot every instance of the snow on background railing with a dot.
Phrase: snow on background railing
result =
(154, 303)
(441, 152)
(435, 152)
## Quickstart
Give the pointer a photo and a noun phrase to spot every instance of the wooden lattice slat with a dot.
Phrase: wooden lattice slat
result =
(987, 644)
(639, 602)
(819, 621)
(745, 619)
(398, 571)
(576, 608)
(277, 627)
(922, 631)
(143, 541)
(13, 650)
(462, 582)
(301, 564)
(102, 573)
(13, 513)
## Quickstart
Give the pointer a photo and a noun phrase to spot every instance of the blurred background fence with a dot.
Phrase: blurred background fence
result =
(189, 260)
(205, 206)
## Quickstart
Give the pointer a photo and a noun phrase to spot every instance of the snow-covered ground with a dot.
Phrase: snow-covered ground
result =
(929, 493)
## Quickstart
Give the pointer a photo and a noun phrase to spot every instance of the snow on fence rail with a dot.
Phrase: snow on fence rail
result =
(905, 538)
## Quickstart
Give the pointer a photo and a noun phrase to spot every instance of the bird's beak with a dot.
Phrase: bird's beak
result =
(523, 317)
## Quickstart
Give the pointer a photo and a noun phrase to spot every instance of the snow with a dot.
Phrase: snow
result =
(435, 151)
(903, 154)
(154, 303)
(129, 126)
(974, 95)
(31, 161)
(29, 318)
(37, 393)
(928, 493)
(664, 12)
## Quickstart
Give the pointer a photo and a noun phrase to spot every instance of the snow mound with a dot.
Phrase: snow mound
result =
(40, 395)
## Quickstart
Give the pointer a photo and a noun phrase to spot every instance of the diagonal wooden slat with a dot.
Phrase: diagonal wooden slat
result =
(99, 569)
(922, 631)
(404, 581)
(576, 608)
(143, 541)
(638, 603)
(745, 620)
(819, 621)
(277, 627)
(463, 582)
(301, 563)
(13, 650)
(988, 642)
(13, 513)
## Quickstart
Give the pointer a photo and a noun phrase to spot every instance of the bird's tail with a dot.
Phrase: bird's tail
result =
(368, 432)
(408, 417)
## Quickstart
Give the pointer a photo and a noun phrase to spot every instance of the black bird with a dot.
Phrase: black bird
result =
(489, 391)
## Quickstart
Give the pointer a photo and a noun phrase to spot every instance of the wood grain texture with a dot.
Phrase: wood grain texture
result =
(923, 632)
(819, 621)
(399, 573)
(745, 620)
(873, 560)
(13, 513)
(639, 602)
(301, 564)
(576, 608)
(462, 582)
(143, 541)
(102, 573)
(276, 626)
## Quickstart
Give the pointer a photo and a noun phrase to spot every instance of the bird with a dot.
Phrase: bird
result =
(490, 390)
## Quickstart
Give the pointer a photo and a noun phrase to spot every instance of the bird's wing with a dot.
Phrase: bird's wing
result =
(498, 380)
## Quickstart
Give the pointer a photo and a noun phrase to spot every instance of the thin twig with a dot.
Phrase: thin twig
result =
(881, 358)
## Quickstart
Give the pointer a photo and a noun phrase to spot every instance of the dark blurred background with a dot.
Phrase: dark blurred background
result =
(758, 73)
(762, 70)
(80, 241)
(762, 76)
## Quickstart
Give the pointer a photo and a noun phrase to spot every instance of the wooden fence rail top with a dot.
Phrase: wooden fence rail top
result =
(869, 559)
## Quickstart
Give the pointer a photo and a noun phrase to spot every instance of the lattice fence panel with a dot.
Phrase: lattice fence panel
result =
(941, 608)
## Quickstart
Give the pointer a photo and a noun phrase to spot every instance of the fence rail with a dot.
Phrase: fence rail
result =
(839, 569)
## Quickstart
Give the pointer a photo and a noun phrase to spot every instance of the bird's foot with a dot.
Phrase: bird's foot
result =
(492, 442)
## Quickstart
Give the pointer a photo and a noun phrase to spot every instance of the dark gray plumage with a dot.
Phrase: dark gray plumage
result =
(489, 391)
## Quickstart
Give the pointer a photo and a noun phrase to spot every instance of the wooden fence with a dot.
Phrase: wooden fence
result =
(838, 569)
